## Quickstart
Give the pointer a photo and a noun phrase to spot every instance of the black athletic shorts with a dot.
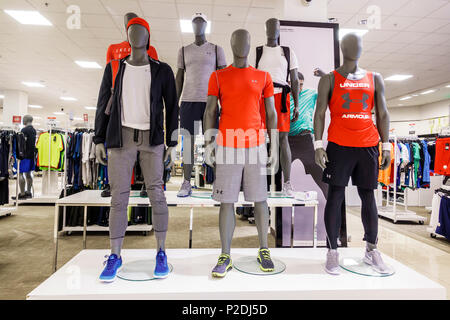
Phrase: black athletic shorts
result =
(190, 112)
(360, 163)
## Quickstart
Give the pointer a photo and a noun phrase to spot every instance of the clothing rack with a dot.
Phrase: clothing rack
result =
(7, 210)
(45, 198)
(391, 211)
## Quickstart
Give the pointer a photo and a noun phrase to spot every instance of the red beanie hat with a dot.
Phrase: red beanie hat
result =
(143, 23)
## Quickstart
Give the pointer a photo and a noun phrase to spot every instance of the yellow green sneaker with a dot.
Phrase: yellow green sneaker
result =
(223, 266)
(265, 262)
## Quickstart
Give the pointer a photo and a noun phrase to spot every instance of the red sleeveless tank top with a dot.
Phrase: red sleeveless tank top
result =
(351, 107)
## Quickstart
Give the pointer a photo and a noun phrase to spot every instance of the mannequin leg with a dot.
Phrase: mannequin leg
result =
(227, 223)
(285, 156)
(262, 222)
(22, 183)
(120, 165)
(188, 154)
(151, 160)
(336, 195)
(29, 179)
(369, 216)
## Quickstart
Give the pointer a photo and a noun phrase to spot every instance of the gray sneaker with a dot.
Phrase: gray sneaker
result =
(185, 190)
(223, 266)
(332, 263)
(373, 258)
(287, 189)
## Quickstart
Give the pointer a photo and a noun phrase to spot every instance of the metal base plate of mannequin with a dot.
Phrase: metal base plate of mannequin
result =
(139, 270)
(250, 265)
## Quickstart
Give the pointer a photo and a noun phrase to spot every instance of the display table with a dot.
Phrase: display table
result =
(92, 198)
(304, 278)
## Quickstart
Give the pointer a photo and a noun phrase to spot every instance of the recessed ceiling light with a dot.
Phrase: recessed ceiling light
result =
(68, 98)
(398, 77)
(2, 96)
(33, 84)
(344, 31)
(428, 91)
(186, 26)
(88, 64)
(90, 108)
(34, 106)
(400, 104)
(447, 86)
(78, 119)
(59, 113)
(415, 95)
(405, 98)
(29, 17)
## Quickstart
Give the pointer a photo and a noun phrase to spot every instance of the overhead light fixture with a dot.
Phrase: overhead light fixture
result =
(186, 26)
(33, 84)
(68, 98)
(400, 104)
(34, 106)
(405, 98)
(398, 77)
(59, 113)
(415, 95)
(359, 32)
(90, 108)
(88, 64)
(78, 119)
(2, 96)
(447, 86)
(28, 17)
(428, 91)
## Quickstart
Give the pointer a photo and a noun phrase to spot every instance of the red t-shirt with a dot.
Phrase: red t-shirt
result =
(351, 107)
(121, 50)
(239, 91)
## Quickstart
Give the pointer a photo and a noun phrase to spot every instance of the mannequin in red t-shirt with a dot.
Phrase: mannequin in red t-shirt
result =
(121, 50)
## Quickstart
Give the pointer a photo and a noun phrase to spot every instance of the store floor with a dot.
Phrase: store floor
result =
(26, 244)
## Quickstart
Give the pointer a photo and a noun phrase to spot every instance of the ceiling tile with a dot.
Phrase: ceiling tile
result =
(346, 6)
(98, 21)
(49, 5)
(158, 24)
(221, 27)
(229, 13)
(428, 25)
(397, 23)
(185, 11)
(257, 3)
(435, 38)
(342, 18)
(387, 7)
(441, 13)
(121, 7)
(88, 6)
(16, 5)
(407, 37)
(159, 9)
(420, 8)
(107, 33)
(379, 35)
(260, 14)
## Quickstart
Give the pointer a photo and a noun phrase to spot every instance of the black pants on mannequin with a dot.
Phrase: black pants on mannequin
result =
(369, 214)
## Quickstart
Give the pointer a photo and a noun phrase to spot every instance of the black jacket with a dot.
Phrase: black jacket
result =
(109, 128)
(30, 136)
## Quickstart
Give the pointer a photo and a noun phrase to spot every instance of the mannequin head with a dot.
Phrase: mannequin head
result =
(240, 43)
(127, 17)
(138, 36)
(301, 81)
(273, 29)
(27, 120)
(199, 26)
(351, 46)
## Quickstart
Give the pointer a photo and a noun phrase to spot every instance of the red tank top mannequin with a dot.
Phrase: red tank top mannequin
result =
(351, 107)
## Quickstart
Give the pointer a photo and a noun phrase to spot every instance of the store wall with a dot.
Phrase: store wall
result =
(424, 119)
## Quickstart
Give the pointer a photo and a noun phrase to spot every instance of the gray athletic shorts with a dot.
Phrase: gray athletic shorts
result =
(236, 166)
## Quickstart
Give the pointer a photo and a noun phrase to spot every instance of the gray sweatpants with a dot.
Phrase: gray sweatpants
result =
(120, 168)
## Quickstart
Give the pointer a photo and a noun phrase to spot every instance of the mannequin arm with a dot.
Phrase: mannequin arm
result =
(271, 121)
(100, 154)
(294, 89)
(179, 81)
(319, 72)
(209, 122)
(323, 95)
(382, 117)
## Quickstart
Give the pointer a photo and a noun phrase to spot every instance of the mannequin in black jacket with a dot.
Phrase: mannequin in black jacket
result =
(27, 164)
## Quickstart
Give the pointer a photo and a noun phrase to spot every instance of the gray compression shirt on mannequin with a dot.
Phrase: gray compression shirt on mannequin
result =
(199, 63)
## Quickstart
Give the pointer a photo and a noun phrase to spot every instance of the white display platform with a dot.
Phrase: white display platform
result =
(7, 211)
(304, 278)
(40, 198)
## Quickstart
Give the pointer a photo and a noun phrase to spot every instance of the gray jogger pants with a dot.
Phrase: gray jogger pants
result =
(120, 168)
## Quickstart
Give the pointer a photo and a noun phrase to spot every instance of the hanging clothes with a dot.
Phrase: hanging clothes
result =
(444, 218)
(53, 145)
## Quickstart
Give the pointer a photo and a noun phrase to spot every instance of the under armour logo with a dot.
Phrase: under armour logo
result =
(347, 102)
(328, 176)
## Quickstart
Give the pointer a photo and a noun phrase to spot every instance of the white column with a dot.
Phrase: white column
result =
(15, 103)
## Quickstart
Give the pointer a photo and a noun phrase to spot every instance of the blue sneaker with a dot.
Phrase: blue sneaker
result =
(113, 265)
(161, 268)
